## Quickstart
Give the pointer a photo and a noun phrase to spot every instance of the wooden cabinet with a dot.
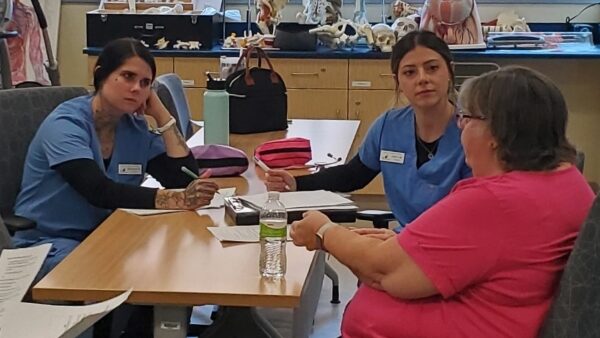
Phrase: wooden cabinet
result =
(310, 73)
(317, 89)
(164, 65)
(195, 98)
(192, 72)
(366, 106)
(370, 74)
(327, 104)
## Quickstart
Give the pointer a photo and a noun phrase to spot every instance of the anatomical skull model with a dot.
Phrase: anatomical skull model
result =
(403, 26)
(384, 37)
(402, 9)
(269, 14)
(455, 21)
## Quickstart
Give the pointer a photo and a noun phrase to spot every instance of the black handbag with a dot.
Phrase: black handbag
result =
(257, 97)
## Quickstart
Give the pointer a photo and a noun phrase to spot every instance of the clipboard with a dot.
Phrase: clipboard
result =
(240, 212)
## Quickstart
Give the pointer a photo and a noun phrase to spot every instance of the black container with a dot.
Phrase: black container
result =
(103, 27)
(294, 36)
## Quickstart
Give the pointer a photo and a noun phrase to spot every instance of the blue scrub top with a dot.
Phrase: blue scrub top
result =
(68, 133)
(389, 147)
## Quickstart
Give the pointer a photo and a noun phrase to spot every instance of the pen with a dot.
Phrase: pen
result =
(193, 175)
(266, 169)
(261, 164)
(189, 173)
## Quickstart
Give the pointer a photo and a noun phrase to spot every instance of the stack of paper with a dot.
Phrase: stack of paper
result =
(18, 268)
(305, 200)
(244, 234)
(216, 203)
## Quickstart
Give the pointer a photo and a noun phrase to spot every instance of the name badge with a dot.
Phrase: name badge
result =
(130, 169)
(391, 156)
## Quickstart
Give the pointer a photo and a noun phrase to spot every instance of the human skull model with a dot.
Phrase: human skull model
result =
(403, 26)
(384, 37)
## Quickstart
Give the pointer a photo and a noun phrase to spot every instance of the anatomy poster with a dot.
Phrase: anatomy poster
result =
(27, 51)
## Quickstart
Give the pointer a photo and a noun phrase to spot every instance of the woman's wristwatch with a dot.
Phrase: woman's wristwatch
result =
(165, 127)
(321, 235)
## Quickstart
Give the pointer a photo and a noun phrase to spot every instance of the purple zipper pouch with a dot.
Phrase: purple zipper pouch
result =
(221, 160)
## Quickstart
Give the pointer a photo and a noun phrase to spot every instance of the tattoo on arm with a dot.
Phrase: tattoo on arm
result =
(180, 139)
(169, 199)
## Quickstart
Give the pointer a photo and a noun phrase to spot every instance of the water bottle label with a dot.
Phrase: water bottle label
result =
(268, 231)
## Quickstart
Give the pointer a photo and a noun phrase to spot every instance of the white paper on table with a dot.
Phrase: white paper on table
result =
(18, 268)
(302, 200)
(243, 234)
(219, 200)
(43, 320)
(216, 203)
(150, 212)
(331, 207)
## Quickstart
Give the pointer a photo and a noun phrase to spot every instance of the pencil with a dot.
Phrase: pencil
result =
(261, 164)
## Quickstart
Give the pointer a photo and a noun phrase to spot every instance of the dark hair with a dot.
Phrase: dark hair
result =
(527, 115)
(425, 39)
(114, 55)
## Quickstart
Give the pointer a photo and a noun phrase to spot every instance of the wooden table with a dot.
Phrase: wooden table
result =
(173, 262)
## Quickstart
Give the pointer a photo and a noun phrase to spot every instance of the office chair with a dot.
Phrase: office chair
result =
(169, 89)
(576, 306)
(5, 241)
(21, 112)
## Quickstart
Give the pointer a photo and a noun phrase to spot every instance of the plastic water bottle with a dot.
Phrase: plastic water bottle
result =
(216, 112)
(273, 235)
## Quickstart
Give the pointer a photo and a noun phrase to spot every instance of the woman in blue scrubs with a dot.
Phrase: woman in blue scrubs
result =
(416, 148)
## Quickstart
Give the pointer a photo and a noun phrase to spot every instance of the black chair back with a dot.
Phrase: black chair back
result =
(21, 112)
(575, 311)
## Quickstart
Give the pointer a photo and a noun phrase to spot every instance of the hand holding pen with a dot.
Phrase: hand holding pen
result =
(199, 192)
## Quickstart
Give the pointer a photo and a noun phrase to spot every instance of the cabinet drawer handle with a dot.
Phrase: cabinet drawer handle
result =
(305, 74)
(387, 74)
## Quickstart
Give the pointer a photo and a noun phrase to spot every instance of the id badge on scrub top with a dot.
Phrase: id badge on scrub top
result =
(391, 156)
(130, 169)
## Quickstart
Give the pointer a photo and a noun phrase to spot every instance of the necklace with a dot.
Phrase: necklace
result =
(431, 149)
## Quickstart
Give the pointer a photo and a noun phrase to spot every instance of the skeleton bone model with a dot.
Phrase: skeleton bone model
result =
(320, 12)
(403, 26)
(335, 35)
(402, 9)
(454, 21)
(269, 14)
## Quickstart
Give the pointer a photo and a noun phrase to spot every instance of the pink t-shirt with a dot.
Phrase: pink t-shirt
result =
(494, 249)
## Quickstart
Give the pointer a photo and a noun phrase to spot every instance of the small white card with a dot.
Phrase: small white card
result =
(130, 169)
(392, 156)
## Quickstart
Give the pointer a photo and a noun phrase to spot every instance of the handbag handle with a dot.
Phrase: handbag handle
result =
(260, 54)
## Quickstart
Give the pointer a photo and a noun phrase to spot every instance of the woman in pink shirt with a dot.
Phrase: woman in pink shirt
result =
(485, 260)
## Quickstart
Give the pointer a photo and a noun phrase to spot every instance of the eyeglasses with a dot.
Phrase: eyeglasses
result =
(462, 118)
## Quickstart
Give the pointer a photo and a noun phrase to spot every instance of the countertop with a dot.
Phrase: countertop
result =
(363, 52)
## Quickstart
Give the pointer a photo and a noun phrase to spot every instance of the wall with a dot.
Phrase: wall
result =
(578, 79)
(72, 27)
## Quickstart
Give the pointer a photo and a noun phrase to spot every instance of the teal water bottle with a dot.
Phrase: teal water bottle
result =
(216, 112)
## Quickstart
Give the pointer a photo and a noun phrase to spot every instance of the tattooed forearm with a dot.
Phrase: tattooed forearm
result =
(169, 199)
(179, 138)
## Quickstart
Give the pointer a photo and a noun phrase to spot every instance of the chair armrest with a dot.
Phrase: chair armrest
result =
(380, 218)
(17, 223)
